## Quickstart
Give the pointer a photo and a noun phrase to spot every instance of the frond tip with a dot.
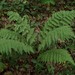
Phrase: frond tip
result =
(56, 56)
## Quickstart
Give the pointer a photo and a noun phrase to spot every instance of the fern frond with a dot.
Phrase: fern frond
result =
(56, 56)
(6, 46)
(61, 18)
(22, 25)
(14, 16)
(63, 33)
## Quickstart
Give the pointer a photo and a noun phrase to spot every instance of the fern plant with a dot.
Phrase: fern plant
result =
(24, 38)
(56, 29)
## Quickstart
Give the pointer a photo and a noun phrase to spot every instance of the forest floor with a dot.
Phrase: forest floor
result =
(38, 13)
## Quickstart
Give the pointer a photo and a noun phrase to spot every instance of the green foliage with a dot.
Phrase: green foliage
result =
(48, 48)
(38, 65)
(56, 56)
(57, 28)
(48, 1)
(13, 5)
(58, 34)
(15, 39)
(6, 46)
(7, 34)
(14, 16)
(24, 37)
(23, 27)
(58, 19)
(2, 3)
(2, 66)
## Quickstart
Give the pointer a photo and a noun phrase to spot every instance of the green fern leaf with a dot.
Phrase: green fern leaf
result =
(56, 56)
(6, 46)
(61, 18)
